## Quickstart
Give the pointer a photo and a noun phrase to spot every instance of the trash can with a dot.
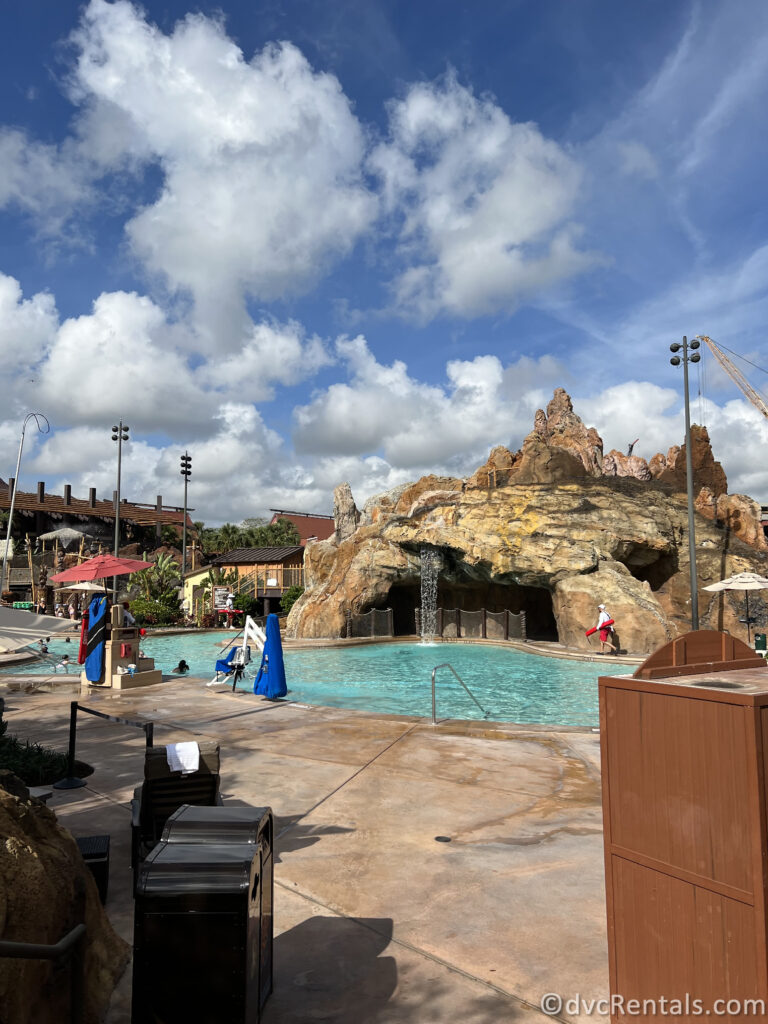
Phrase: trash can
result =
(224, 825)
(197, 935)
(760, 642)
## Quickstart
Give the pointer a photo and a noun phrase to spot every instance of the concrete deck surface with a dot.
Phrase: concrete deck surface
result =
(375, 920)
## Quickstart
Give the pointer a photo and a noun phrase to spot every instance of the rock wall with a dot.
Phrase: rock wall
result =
(45, 890)
(557, 516)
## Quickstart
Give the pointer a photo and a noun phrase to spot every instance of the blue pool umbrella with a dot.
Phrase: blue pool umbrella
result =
(270, 681)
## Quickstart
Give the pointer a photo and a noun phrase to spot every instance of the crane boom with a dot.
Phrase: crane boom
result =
(735, 374)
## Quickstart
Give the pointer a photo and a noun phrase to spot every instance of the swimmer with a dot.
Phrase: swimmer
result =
(182, 668)
(64, 663)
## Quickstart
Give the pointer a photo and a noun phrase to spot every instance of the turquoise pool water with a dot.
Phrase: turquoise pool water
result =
(396, 678)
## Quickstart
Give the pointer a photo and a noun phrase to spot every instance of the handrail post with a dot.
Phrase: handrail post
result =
(447, 664)
(71, 782)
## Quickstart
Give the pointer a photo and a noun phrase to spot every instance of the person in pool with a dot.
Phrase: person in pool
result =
(181, 669)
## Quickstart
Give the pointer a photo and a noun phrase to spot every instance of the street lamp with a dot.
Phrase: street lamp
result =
(36, 416)
(119, 434)
(186, 472)
(689, 357)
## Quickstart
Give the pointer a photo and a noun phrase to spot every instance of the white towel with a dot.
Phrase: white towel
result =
(183, 757)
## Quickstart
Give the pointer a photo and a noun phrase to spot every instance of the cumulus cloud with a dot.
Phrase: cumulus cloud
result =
(383, 411)
(485, 203)
(261, 158)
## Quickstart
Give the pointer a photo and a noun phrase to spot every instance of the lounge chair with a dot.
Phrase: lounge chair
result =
(164, 791)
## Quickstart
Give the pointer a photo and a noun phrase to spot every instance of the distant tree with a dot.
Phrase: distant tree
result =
(229, 537)
(282, 533)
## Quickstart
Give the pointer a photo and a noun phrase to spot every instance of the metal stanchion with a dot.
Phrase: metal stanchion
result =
(71, 782)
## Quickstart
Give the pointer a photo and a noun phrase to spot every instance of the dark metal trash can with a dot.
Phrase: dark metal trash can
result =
(226, 824)
(197, 935)
(760, 642)
(95, 853)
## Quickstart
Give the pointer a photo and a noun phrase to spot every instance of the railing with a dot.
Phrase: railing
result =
(71, 945)
(445, 664)
(256, 582)
(71, 781)
(456, 623)
(376, 622)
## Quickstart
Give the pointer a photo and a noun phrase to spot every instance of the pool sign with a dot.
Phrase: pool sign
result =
(220, 598)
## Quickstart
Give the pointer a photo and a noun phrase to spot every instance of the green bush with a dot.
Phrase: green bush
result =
(248, 605)
(156, 613)
(289, 598)
(36, 765)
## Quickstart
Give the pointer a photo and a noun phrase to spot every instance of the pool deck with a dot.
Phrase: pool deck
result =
(375, 920)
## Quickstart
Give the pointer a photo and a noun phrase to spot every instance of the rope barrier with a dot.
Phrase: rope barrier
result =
(71, 782)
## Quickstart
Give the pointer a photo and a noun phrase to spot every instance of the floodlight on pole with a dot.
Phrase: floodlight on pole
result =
(37, 417)
(119, 434)
(186, 472)
(689, 356)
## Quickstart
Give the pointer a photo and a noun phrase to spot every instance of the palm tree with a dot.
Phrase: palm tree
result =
(229, 537)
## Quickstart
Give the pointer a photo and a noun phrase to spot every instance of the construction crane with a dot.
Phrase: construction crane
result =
(736, 375)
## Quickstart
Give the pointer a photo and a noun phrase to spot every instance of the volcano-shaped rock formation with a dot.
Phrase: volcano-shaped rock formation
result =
(553, 529)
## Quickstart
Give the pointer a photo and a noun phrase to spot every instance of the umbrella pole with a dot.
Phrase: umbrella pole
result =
(749, 638)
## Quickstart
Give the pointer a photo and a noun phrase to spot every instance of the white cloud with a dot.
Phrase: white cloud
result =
(415, 426)
(261, 159)
(43, 180)
(637, 160)
(26, 327)
(485, 202)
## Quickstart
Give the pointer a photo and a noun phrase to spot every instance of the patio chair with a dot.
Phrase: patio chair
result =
(164, 791)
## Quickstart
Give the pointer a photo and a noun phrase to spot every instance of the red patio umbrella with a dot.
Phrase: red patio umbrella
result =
(99, 568)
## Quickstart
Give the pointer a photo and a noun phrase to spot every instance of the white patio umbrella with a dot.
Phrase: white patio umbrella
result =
(86, 586)
(745, 581)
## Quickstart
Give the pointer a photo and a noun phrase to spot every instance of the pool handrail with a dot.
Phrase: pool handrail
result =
(447, 664)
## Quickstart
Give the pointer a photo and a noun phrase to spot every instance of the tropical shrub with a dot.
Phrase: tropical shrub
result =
(289, 598)
(156, 613)
(247, 604)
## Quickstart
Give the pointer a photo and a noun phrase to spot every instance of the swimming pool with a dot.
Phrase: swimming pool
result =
(511, 685)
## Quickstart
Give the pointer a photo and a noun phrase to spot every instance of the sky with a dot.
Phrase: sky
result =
(316, 241)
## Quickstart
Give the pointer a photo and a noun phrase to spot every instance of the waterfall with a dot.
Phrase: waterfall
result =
(431, 563)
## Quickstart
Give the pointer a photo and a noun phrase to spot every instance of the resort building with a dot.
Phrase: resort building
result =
(265, 573)
(310, 526)
(39, 512)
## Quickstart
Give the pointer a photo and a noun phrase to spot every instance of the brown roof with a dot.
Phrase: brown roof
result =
(308, 525)
(79, 508)
(257, 556)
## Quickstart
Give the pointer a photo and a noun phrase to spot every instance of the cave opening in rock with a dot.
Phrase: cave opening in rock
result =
(472, 595)
(649, 565)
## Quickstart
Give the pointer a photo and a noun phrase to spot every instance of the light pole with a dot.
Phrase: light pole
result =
(36, 416)
(186, 472)
(119, 434)
(687, 357)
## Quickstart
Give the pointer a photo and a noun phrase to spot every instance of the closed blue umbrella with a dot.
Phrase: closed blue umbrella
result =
(270, 681)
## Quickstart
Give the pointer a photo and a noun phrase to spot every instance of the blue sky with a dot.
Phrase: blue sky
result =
(314, 242)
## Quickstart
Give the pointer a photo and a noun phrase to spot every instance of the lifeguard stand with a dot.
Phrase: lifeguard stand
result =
(122, 650)
(684, 746)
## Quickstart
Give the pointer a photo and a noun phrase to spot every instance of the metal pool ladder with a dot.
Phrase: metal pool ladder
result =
(446, 664)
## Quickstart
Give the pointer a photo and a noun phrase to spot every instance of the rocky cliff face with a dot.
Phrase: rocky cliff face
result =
(554, 529)
(45, 890)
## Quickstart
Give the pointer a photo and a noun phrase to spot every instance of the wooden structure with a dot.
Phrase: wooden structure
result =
(265, 572)
(684, 746)
(41, 512)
